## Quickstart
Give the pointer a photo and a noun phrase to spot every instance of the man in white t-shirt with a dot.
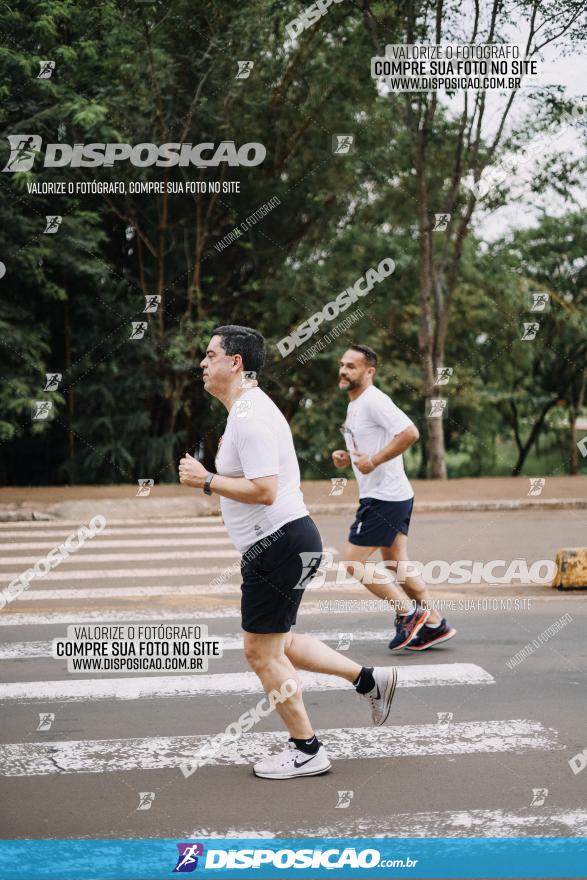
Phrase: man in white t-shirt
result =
(258, 480)
(376, 434)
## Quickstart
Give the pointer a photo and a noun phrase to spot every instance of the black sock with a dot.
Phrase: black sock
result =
(364, 681)
(309, 746)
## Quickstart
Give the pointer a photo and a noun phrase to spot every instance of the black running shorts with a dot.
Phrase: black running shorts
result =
(378, 522)
(274, 574)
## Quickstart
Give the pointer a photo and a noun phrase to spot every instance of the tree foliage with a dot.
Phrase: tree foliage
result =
(166, 73)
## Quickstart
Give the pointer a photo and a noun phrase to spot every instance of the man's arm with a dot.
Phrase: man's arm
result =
(262, 490)
(397, 446)
(366, 463)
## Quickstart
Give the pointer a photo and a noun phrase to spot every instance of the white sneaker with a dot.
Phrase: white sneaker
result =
(382, 694)
(291, 763)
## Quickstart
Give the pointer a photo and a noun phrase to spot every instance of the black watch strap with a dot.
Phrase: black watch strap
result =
(207, 489)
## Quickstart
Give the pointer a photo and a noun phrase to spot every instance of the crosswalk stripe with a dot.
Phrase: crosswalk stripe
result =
(230, 642)
(97, 542)
(127, 592)
(350, 743)
(33, 525)
(80, 574)
(59, 618)
(433, 675)
(216, 529)
(441, 824)
(118, 557)
(212, 589)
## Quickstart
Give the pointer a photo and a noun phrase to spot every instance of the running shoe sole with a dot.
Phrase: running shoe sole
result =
(414, 632)
(294, 775)
(389, 695)
(437, 641)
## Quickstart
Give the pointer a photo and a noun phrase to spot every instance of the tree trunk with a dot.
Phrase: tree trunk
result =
(423, 469)
(70, 390)
(573, 461)
(426, 334)
(532, 436)
(574, 410)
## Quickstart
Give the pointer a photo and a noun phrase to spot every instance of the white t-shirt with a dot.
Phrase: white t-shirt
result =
(257, 442)
(372, 422)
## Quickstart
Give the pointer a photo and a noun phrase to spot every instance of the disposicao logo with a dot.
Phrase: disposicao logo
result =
(25, 147)
(187, 859)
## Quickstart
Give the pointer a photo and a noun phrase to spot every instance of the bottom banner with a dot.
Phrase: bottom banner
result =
(225, 858)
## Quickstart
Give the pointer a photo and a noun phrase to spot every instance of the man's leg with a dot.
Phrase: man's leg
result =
(265, 654)
(414, 586)
(304, 754)
(272, 657)
(309, 653)
(383, 587)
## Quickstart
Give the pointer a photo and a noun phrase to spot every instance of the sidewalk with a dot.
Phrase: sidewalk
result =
(168, 500)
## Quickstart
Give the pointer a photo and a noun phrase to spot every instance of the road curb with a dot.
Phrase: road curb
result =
(171, 507)
(449, 506)
(22, 515)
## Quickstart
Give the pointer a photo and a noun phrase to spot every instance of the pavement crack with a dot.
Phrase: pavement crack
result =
(53, 760)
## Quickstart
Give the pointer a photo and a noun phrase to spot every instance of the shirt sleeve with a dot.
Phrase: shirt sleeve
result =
(384, 412)
(257, 449)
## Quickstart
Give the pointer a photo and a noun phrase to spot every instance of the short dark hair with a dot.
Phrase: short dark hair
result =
(367, 353)
(249, 343)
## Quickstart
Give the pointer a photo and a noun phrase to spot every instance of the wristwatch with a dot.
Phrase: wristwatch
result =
(207, 482)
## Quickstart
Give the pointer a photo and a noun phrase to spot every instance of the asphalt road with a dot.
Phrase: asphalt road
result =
(478, 742)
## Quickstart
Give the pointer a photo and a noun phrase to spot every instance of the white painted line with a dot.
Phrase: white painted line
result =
(59, 618)
(230, 642)
(80, 556)
(119, 574)
(98, 543)
(97, 593)
(126, 592)
(24, 650)
(34, 525)
(460, 823)
(120, 532)
(351, 743)
(123, 574)
(433, 675)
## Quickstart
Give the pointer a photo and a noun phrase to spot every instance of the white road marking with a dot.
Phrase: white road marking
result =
(35, 525)
(433, 675)
(120, 574)
(446, 823)
(98, 543)
(351, 743)
(60, 532)
(211, 589)
(127, 592)
(59, 618)
(119, 557)
(230, 642)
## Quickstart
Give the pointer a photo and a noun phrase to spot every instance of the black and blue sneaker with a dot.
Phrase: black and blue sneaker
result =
(407, 626)
(430, 636)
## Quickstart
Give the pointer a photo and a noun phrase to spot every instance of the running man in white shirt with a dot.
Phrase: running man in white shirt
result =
(376, 433)
(258, 480)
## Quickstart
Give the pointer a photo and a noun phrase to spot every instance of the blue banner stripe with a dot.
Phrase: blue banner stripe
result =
(532, 857)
